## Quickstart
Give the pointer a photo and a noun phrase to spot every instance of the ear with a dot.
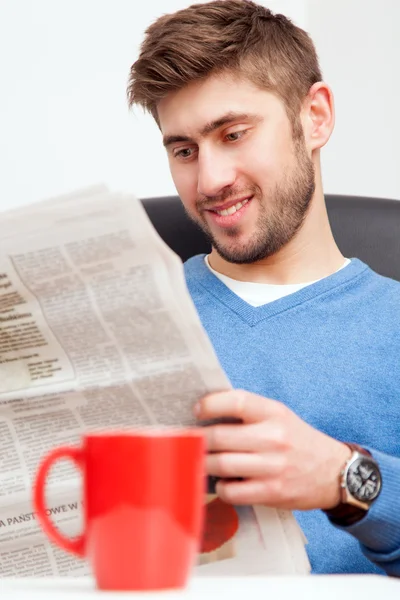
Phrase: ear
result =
(318, 115)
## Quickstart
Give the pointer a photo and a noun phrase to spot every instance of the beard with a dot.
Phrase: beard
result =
(282, 213)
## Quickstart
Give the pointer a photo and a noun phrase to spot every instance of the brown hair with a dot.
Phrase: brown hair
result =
(224, 35)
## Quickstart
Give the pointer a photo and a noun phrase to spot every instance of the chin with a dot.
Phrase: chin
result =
(235, 255)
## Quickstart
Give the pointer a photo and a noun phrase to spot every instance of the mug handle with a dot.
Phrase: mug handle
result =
(75, 546)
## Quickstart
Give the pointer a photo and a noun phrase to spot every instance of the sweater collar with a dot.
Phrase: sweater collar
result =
(197, 273)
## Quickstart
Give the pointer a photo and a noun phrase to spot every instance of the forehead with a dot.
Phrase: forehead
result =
(189, 109)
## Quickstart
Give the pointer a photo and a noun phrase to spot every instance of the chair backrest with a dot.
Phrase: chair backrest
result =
(366, 228)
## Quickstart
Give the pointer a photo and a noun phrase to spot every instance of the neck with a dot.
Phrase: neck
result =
(312, 254)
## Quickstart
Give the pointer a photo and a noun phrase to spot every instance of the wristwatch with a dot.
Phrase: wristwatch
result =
(360, 485)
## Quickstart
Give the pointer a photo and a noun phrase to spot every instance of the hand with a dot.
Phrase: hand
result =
(284, 462)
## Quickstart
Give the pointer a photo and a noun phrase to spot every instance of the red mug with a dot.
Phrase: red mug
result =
(143, 506)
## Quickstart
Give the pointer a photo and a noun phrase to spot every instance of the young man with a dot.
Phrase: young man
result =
(309, 339)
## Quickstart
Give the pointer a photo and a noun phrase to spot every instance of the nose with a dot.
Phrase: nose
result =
(215, 173)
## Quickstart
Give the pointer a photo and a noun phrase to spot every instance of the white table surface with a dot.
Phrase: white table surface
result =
(321, 587)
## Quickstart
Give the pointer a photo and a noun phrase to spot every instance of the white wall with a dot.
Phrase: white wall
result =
(358, 43)
(64, 121)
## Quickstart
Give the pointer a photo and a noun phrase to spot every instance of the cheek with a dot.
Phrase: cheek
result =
(260, 168)
(185, 181)
(266, 165)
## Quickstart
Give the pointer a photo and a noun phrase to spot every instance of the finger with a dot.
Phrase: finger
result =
(233, 465)
(233, 438)
(247, 407)
(249, 491)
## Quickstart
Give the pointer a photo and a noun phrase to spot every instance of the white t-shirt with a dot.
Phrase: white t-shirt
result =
(258, 294)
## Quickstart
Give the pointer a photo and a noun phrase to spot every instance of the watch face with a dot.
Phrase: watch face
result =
(363, 480)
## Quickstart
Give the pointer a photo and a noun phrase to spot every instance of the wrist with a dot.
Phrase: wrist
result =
(339, 457)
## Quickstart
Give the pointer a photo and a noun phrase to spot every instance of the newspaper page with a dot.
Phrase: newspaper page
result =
(98, 332)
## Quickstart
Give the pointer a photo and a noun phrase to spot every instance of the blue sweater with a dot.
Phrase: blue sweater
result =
(331, 353)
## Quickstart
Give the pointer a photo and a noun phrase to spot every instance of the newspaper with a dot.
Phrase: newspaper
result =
(98, 332)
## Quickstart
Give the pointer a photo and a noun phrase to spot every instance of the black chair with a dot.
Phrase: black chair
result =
(366, 228)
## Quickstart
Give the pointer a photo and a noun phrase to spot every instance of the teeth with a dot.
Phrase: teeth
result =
(232, 209)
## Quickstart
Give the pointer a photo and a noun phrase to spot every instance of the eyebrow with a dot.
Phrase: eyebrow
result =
(208, 128)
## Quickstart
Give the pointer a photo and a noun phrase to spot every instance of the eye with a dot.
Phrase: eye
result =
(184, 153)
(234, 136)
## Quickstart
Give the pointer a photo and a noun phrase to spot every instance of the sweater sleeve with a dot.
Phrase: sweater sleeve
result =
(379, 531)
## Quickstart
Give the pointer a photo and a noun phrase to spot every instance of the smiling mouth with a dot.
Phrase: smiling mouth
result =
(232, 209)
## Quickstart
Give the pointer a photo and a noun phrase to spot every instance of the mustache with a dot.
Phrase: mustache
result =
(207, 202)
